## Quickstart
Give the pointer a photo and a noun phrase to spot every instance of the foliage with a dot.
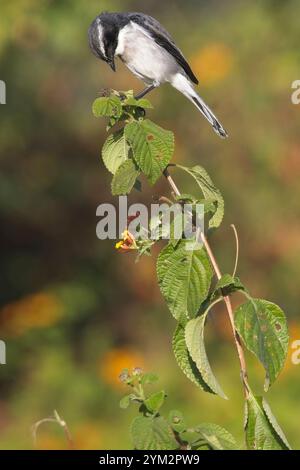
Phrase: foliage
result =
(262, 430)
(262, 325)
(151, 430)
(185, 272)
(51, 184)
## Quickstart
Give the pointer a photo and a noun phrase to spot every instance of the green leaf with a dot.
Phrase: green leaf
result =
(262, 326)
(115, 151)
(158, 229)
(177, 421)
(107, 106)
(177, 226)
(138, 186)
(184, 278)
(124, 179)
(152, 146)
(185, 361)
(194, 338)
(126, 400)
(209, 192)
(209, 205)
(216, 437)
(262, 430)
(228, 284)
(114, 120)
(155, 401)
(144, 248)
(142, 103)
(229, 281)
(202, 446)
(150, 433)
(187, 198)
(148, 378)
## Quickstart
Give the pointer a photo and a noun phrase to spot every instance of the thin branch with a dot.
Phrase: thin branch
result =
(63, 424)
(35, 427)
(237, 249)
(238, 344)
(166, 200)
(56, 419)
(171, 182)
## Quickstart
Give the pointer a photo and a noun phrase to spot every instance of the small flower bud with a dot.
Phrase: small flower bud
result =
(124, 376)
(176, 420)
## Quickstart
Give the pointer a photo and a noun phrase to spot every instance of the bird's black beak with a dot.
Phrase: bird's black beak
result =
(111, 63)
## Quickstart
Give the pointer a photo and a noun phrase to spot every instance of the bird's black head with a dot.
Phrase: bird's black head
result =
(103, 37)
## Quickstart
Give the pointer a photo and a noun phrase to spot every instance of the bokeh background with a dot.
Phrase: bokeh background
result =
(74, 311)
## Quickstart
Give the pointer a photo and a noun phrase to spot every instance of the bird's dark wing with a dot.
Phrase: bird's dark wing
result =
(163, 38)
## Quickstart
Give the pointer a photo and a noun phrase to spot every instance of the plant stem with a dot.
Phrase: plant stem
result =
(237, 340)
(55, 419)
(237, 249)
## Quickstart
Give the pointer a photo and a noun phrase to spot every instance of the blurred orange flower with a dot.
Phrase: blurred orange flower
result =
(48, 442)
(113, 362)
(212, 63)
(88, 436)
(34, 311)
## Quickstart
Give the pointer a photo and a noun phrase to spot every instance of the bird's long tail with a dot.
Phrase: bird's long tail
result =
(182, 84)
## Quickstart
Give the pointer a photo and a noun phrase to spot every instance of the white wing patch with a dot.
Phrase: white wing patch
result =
(143, 56)
(125, 35)
(100, 36)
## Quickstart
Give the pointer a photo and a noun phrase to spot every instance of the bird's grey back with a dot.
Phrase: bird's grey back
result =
(151, 23)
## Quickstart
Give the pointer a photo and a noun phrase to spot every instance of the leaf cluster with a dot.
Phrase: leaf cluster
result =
(152, 430)
(185, 278)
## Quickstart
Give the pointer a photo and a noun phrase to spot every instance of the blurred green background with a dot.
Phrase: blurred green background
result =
(74, 311)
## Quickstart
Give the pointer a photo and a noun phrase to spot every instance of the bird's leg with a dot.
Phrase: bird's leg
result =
(144, 92)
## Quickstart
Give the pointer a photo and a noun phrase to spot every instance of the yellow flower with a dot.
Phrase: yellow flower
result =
(113, 362)
(128, 243)
(212, 63)
(33, 311)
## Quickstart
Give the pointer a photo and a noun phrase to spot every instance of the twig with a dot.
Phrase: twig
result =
(237, 249)
(56, 419)
(239, 347)
(63, 424)
(166, 200)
